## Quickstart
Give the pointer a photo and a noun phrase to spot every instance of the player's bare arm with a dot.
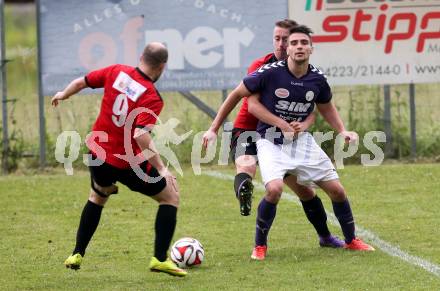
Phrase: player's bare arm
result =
(74, 87)
(145, 141)
(228, 105)
(331, 115)
(259, 111)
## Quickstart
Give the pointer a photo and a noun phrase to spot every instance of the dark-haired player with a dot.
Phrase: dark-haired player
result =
(280, 152)
(244, 150)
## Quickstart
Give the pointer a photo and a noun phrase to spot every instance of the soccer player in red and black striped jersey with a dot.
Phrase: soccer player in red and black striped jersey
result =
(122, 150)
(244, 151)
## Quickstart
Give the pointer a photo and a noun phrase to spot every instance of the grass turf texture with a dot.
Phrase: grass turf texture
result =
(40, 215)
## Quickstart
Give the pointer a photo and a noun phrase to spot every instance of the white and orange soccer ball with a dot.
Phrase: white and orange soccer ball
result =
(187, 252)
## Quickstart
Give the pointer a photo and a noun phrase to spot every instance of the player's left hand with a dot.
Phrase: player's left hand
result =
(350, 136)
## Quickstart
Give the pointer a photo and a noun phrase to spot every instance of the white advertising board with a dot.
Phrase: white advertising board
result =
(373, 41)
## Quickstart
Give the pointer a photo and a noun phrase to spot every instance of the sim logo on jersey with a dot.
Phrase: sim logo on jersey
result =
(297, 107)
(126, 85)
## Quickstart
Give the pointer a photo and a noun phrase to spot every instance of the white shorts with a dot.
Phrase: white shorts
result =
(302, 158)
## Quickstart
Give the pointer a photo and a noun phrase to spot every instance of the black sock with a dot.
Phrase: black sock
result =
(265, 217)
(239, 179)
(345, 217)
(87, 225)
(315, 213)
(164, 227)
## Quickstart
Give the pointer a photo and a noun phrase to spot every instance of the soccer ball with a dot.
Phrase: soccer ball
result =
(187, 252)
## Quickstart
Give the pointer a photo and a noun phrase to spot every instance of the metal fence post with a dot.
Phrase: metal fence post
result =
(3, 85)
(42, 118)
(387, 120)
(412, 112)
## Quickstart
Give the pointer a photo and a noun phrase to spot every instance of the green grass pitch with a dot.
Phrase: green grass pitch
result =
(397, 203)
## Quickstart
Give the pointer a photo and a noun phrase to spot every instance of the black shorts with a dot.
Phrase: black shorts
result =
(239, 146)
(107, 175)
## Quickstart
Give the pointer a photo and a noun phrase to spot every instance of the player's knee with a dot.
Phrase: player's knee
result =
(338, 194)
(97, 199)
(305, 193)
(168, 196)
(104, 191)
(273, 191)
(250, 170)
(246, 164)
(174, 199)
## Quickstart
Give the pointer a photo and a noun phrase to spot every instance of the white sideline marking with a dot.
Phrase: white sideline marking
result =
(386, 247)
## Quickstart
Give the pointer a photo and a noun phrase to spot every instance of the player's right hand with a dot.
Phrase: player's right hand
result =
(350, 136)
(58, 97)
(297, 126)
(208, 138)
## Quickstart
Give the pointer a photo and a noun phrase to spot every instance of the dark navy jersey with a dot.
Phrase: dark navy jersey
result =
(288, 97)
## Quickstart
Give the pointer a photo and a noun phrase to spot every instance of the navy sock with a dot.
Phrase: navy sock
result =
(238, 181)
(345, 217)
(88, 223)
(315, 213)
(164, 227)
(266, 215)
